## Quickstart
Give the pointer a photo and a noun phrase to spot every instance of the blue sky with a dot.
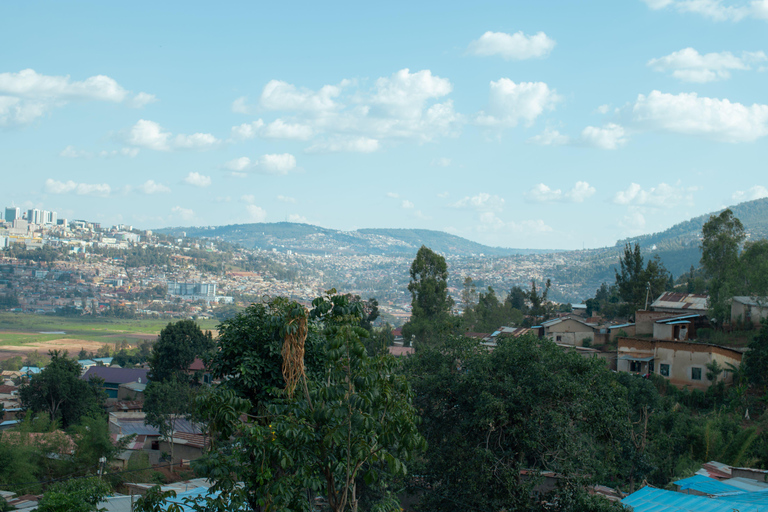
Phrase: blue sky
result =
(554, 124)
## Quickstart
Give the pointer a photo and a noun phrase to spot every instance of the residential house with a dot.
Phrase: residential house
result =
(113, 377)
(681, 303)
(749, 310)
(568, 331)
(679, 328)
(682, 362)
(716, 487)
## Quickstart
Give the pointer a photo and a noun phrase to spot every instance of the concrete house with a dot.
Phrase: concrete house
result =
(568, 331)
(113, 377)
(749, 309)
(683, 363)
(681, 303)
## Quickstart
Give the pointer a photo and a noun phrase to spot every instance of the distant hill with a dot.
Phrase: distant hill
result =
(305, 238)
(678, 246)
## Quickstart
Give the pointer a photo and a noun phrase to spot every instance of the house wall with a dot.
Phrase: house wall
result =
(630, 330)
(682, 357)
(755, 313)
(570, 333)
(644, 320)
(181, 451)
(663, 331)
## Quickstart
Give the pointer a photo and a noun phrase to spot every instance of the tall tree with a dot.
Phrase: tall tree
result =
(722, 236)
(525, 407)
(345, 428)
(58, 391)
(176, 348)
(165, 404)
(636, 282)
(430, 303)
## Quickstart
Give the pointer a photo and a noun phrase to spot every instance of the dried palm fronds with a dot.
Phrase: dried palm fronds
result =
(293, 352)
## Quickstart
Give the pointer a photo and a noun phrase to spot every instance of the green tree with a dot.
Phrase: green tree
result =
(166, 403)
(753, 271)
(755, 360)
(347, 427)
(430, 303)
(468, 294)
(75, 495)
(722, 236)
(636, 282)
(525, 407)
(176, 348)
(59, 392)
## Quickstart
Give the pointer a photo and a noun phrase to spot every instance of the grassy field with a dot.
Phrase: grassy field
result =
(24, 332)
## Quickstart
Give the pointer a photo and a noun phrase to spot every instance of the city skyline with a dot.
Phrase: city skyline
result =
(510, 124)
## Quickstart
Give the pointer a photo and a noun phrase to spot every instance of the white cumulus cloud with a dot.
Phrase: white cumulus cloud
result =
(150, 135)
(279, 95)
(183, 213)
(517, 46)
(278, 163)
(550, 137)
(152, 187)
(198, 180)
(689, 65)
(610, 136)
(756, 192)
(406, 204)
(295, 217)
(661, 196)
(482, 201)
(28, 95)
(346, 145)
(256, 213)
(510, 103)
(82, 189)
(690, 114)
(716, 10)
(404, 93)
(286, 199)
(580, 191)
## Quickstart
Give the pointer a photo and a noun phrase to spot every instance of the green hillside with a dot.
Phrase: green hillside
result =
(305, 238)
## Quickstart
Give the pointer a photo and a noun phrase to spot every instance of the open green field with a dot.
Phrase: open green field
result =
(24, 332)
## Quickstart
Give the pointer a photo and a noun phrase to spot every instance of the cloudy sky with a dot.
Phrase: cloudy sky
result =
(553, 124)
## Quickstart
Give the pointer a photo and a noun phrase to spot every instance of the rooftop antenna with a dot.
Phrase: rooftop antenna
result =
(647, 292)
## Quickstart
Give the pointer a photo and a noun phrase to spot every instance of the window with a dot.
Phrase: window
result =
(695, 373)
(664, 370)
(650, 366)
(559, 338)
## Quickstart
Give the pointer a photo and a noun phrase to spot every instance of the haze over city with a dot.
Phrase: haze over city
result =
(539, 125)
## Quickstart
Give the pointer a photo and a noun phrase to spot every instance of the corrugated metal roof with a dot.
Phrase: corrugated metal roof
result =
(742, 497)
(746, 484)
(620, 326)
(117, 375)
(705, 484)
(636, 358)
(752, 301)
(650, 499)
(674, 300)
(676, 318)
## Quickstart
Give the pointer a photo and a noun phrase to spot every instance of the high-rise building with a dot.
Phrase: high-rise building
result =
(11, 214)
(35, 216)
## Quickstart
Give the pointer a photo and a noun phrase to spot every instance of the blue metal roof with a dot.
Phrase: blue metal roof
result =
(679, 322)
(706, 485)
(675, 318)
(620, 326)
(756, 497)
(650, 499)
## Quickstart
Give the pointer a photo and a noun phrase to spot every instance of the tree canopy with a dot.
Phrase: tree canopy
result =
(722, 236)
(431, 304)
(176, 348)
(59, 391)
(343, 433)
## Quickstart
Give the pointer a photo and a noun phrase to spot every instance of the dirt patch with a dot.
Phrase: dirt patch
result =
(72, 346)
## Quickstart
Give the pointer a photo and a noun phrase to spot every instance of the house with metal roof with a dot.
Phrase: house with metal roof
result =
(682, 362)
(568, 331)
(749, 310)
(681, 303)
(113, 377)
